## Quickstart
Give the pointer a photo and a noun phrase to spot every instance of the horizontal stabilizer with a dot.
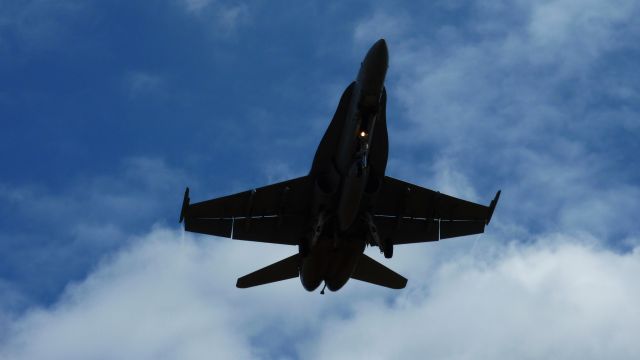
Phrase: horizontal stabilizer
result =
(282, 270)
(371, 271)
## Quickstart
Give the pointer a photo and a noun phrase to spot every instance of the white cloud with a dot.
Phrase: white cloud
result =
(139, 306)
(11, 301)
(380, 25)
(137, 188)
(277, 171)
(38, 24)
(60, 235)
(528, 104)
(176, 299)
(564, 301)
(225, 17)
(231, 16)
(141, 83)
(576, 30)
(196, 5)
(514, 80)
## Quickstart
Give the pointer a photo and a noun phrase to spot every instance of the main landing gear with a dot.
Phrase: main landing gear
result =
(387, 248)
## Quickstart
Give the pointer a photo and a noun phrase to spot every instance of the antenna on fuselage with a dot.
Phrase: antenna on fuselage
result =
(322, 291)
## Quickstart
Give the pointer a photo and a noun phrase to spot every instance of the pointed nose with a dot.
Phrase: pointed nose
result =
(380, 48)
(378, 54)
(373, 71)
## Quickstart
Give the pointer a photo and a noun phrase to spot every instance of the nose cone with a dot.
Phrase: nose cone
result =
(373, 71)
(378, 55)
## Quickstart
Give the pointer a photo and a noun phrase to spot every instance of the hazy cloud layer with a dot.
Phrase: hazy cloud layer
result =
(538, 103)
(37, 25)
(224, 17)
(59, 236)
(562, 301)
(171, 298)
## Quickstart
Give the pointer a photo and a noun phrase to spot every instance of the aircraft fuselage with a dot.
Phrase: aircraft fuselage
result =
(348, 168)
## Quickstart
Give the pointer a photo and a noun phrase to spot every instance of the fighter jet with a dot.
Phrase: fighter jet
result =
(345, 203)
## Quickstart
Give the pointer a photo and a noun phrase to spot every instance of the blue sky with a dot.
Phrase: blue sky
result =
(108, 109)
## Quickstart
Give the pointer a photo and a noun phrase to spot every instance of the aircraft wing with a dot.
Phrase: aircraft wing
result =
(274, 214)
(408, 213)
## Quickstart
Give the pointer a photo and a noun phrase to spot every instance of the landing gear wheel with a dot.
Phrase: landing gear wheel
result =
(388, 249)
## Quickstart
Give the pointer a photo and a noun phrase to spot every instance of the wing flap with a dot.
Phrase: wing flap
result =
(449, 229)
(274, 213)
(408, 213)
(275, 229)
(407, 230)
(398, 197)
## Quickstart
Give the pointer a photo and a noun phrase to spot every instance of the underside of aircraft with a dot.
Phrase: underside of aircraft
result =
(345, 203)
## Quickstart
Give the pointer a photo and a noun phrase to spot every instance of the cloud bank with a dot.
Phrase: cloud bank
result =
(167, 297)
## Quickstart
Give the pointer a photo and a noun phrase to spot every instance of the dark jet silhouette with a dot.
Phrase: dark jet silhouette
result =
(345, 202)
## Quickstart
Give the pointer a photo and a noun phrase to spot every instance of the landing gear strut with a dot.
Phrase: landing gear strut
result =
(385, 246)
(388, 248)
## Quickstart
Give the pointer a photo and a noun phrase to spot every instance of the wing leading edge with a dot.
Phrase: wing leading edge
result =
(408, 213)
(272, 214)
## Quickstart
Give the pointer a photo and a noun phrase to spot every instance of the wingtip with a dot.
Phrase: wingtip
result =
(492, 206)
(185, 205)
(239, 284)
(404, 284)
